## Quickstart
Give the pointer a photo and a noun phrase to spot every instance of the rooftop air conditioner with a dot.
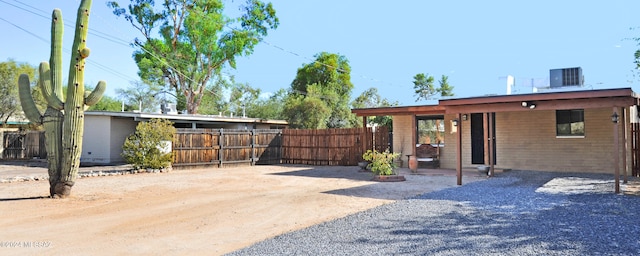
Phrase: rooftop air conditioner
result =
(566, 77)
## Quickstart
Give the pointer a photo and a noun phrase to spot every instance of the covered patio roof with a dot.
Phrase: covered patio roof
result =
(621, 97)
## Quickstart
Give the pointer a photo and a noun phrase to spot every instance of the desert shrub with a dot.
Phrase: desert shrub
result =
(380, 163)
(147, 147)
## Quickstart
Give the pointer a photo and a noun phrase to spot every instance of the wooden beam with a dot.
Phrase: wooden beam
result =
(459, 150)
(542, 105)
(414, 136)
(625, 128)
(408, 110)
(616, 149)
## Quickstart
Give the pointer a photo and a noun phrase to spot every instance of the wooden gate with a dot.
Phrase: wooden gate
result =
(23, 145)
(226, 147)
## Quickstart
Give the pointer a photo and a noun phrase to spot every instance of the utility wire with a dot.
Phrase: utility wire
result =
(66, 50)
(117, 40)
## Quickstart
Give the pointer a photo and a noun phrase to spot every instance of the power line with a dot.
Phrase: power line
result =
(117, 40)
(66, 50)
(26, 31)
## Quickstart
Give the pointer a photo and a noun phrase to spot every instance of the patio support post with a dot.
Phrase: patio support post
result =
(625, 136)
(616, 153)
(414, 136)
(491, 138)
(459, 150)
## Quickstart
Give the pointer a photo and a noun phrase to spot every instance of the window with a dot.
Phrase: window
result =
(430, 130)
(570, 122)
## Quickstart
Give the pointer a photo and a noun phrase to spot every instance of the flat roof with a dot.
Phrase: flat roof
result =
(554, 100)
(541, 96)
(186, 117)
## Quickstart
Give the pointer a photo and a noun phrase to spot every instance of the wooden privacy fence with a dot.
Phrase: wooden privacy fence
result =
(226, 147)
(331, 146)
(23, 145)
(223, 147)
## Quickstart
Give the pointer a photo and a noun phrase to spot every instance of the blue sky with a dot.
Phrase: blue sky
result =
(476, 43)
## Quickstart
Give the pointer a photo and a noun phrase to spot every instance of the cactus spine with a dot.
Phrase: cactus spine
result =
(63, 121)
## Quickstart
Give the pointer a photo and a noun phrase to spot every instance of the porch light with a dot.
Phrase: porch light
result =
(615, 117)
(465, 117)
(455, 122)
(528, 104)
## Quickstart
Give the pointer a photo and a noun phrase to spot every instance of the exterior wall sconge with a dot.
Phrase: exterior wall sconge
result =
(454, 126)
(615, 117)
(528, 104)
(465, 117)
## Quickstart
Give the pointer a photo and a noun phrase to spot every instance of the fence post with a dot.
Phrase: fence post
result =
(253, 147)
(2, 144)
(221, 146)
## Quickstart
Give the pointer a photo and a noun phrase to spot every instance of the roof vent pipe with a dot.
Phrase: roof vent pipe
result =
(510, 82)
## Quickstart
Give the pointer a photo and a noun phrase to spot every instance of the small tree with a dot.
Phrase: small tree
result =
(147, 147)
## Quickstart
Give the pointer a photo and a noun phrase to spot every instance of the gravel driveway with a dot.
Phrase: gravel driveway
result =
(514, 213)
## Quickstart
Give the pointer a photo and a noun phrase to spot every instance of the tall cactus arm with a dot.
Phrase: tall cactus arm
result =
(55, 59)
(47, 88)
(79, 52)
(95, 96)
(26, 100)
(74, 104)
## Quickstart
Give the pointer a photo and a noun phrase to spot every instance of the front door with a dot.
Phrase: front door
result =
(478, 137)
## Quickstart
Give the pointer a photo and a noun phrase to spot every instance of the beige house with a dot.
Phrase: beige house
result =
(105, 132)
(569, 131)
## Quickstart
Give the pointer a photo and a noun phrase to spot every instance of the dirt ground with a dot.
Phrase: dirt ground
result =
(199, 211)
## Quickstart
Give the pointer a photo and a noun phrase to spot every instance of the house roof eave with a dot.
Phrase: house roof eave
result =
(396, 111)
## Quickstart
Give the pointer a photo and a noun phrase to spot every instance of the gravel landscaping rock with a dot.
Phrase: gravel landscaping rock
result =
(514, 213)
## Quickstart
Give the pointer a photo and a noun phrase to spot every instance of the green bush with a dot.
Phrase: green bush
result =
(144, 148)
(380, 163)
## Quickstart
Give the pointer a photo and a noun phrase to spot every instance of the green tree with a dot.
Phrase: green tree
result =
(213, 99)
(141, 95)
(371, 99)
(243, 97)
(10, 71)
(425, 89)
(187, 43)
(330, 75)
(269, 108)
(445, 89)
(107, 103)
(307, 112)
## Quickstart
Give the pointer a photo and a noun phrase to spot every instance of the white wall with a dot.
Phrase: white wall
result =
(121, 128)
(96, 140)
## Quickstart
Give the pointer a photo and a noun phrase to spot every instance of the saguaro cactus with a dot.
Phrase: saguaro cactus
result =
(63, 120)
